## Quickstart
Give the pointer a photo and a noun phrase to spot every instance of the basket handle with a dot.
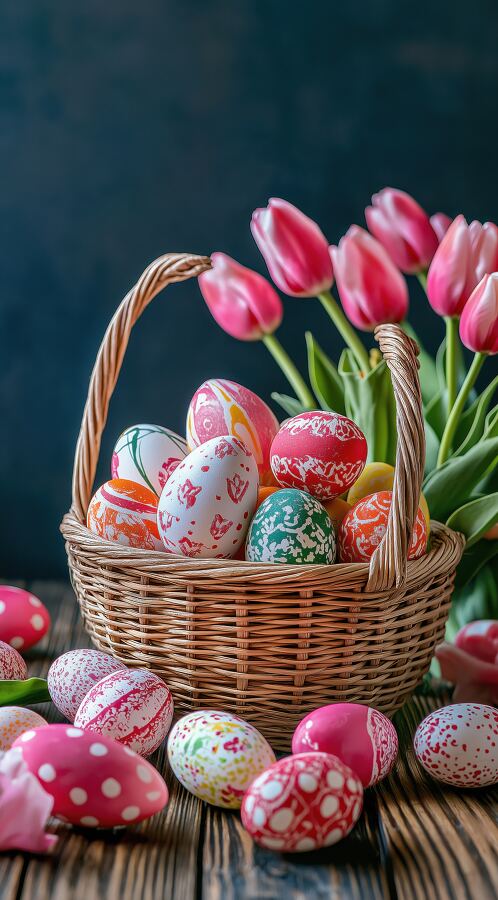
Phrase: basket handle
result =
(163, 271)
(388, 563)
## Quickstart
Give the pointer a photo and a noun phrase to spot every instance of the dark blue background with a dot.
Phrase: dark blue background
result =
(130, 129)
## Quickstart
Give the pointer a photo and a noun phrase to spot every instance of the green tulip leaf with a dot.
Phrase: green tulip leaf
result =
(491, 424)
(477, 600)
(429, 383)
(435, 413)
(23, 693)
(472, 561)
(324, 377)
(474, 519)
(431, 448)
(449, 487)
(369, 401)
(290, 405)
(477, 426)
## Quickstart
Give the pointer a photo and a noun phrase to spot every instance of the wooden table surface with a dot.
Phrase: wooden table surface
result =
(415, 839)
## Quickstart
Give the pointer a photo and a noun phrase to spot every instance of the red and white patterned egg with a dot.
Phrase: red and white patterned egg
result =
(208, 502)
(322, 453)
(94, 780)
(302, 802)
(458, 744)
(71, 676)
(14, 721)
(125, 512)
(364, 526)
(221, 407)
(12, 665)
(362, 737)
(132, 706)
(24, 620)
(148, 454)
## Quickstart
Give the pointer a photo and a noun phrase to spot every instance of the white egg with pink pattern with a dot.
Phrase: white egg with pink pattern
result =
(73, 674)
(12, 665)
(458, 744)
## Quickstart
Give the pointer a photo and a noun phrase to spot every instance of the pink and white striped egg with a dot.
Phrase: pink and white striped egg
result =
(73, 674)
(458, 744)
(221, 407)
(207, 503)
(94, 780)
(133, 706)
(24, 620)
(302, 802)
(12, 665)
(362, 737)
(14, 721)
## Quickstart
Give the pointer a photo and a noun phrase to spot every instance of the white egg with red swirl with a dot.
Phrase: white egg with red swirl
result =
(147, 455)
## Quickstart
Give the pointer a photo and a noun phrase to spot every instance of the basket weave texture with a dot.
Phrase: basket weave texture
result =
(268, 642)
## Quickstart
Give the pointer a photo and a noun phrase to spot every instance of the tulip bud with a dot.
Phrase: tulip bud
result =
(451, 276)
(484, 243)
(404, 229)
(243, 303)
(479, 322)
(440, 223)
(294, 249)
(371, 288)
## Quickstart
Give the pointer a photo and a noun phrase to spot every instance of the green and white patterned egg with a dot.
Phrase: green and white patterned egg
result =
(290, 526)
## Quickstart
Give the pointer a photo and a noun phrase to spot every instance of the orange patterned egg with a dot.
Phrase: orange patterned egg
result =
(125, 512)
(364, 526)
(14, 721)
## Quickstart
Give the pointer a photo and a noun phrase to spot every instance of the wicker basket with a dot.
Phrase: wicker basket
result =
(269, 642)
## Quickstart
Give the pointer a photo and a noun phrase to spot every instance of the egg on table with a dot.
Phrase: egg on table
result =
(379, 476)
(14, 721)
(94, 780)
(71, 676)
(362, 737)
(207, 503)
(221, 407)
(216, 755)
(133, 706)
(322, 453)
(290, 526)
(12, 665)
(125, 512)
(458, 744)
(147, 455)
(24, 620)
(364, 526)
(302, 802)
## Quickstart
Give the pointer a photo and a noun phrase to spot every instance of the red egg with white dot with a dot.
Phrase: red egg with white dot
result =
(364, 526)
(24, 620)
(12, 665)
(132, 706)
(321, 453)
(302, 802)
(95, 781)
(458, 744)
(73, 674)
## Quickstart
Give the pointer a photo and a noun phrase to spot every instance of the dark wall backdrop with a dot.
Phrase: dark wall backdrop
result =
(130, 129)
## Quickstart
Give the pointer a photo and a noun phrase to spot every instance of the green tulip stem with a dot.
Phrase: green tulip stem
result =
(422, 277)
(290, 371)
(454, 417)
(345, 329)
(451, 346)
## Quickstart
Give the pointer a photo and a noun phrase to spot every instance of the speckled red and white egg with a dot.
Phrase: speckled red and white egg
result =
(208, 501)
(73, 674)
(362, 737)
(12, 665)
(133, 706)
(94, 780)
(14, 721)
(302, 802)
(364, 526)
(125, 512)
(458, 744)
(321, 453)
(23, 618)
(221, 407)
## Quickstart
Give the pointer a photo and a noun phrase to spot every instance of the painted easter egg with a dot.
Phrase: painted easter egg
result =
(336, 509)
(94, 780)
(148, 454)
(71, 676)
(125, 512)
(24, 620)
(480, 639)
(302, 802)
(14, 721)
(264, 492)
(322, 453)
(133, 706)
(363, 738)
(12, 665)
(207, 504)
(364, 526)
(291, 527)
(379, 476)
(222, 407)
(215, 755)
(458, 744)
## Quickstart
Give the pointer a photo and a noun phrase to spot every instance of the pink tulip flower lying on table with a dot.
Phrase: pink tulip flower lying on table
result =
(24, 807)
(471, 663)
(403, 228)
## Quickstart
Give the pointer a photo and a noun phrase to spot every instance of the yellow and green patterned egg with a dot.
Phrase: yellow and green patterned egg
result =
(291, 527)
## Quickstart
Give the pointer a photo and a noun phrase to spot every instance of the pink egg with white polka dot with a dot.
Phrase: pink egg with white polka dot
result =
(302, 802)
(361, 736)
(73, 674)
(23, 618)
(458, 744)
(94, 780)
(12, 665)
(133, 706)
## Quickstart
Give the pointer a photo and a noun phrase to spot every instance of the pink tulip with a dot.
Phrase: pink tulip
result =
(243, 303)
(475, 681)
(294, 249)
(451, 277)
(479, 322)
(404, 229)
(372, 289)
(440, 223)
(480, 639)
(484, 243)
(24, 807)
